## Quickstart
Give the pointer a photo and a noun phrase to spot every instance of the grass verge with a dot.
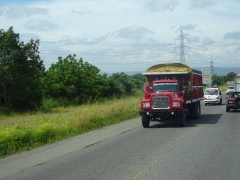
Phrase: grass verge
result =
(26, 131)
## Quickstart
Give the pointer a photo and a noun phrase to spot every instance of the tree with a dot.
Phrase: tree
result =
(140, 80)
(126, 84)
(230, 76)
(74, 80)
(217, 80)
(20, 70)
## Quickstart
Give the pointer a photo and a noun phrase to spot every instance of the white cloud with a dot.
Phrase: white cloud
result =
(27, 36)
(194, 39)
(207, 41)
(1, 10)
(128, 35)
(162, 5)
(40, 25)
(237, 49)
(133, 32)
(232, 35)
(22, 11)
(188, 27)
(201, 4)
(81, 12)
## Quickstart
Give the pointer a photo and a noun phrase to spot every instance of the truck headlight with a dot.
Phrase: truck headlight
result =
(146, 104)
(175, 103)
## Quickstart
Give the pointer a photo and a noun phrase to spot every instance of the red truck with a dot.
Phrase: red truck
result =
(173, 91)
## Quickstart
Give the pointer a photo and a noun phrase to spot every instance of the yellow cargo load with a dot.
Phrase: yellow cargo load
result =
(170, 67)
(166, 69)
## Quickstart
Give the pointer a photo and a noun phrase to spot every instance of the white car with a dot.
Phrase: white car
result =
(212, 96)
(230, 89)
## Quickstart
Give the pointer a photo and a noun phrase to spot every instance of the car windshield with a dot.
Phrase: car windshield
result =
(211, 92)
(160, 87)
(234, 95)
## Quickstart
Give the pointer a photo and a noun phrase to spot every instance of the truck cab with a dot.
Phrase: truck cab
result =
(163, 100)
(163, 94)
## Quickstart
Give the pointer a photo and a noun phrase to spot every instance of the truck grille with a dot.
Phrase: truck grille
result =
(160, 102)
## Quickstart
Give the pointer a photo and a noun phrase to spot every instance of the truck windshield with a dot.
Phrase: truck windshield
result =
(160, 87)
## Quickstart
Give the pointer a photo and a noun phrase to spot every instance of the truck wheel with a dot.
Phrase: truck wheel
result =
(200, 111)
(227, 109)
(182, 119)
(145, 121)
(196, 111)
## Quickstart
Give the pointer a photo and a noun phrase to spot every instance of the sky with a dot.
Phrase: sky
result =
(129, 35)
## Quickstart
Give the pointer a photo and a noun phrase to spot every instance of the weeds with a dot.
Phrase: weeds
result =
(25, 131)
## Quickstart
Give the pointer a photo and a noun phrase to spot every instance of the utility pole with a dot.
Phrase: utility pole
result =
(182, 47)
(211, 68)
(211, 65)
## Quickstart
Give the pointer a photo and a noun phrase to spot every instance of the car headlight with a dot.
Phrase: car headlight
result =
(146, 104)
(175, 103)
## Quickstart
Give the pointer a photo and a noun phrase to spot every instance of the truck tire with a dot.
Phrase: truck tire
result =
(182, 119)
(145, 121)
(200, 111)
(196, 110)
(227, 109)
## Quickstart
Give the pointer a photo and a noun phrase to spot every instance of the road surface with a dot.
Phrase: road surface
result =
(207, 148)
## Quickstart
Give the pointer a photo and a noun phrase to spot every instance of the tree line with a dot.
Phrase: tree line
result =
(26, 84)
(221, 80)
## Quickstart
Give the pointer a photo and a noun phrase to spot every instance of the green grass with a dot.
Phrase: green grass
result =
(22, 132)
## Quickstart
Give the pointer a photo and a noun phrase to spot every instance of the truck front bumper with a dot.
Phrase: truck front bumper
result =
(160, 113)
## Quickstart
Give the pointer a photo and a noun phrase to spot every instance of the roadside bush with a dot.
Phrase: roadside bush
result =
(49, 103)
(16, 140)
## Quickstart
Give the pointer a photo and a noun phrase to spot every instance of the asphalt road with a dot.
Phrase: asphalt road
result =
(207, 148)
